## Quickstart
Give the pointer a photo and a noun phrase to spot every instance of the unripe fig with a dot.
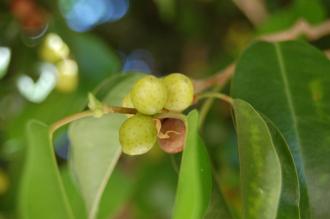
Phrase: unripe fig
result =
(149, 95)
(180, 92)
(138, 134)
(127, 101)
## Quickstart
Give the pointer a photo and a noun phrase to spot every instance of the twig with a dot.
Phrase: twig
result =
(254, 10)
(300, 28)
(219, 96)
(88, 113)
(222, 77)
(219, 78)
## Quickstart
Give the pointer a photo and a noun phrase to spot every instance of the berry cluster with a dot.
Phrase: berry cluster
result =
(149, 96)
(54, 50)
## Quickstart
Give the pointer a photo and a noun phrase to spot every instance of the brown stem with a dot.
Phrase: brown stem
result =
(301, 27)
(88, 113)
(254, 10)
(220, 78)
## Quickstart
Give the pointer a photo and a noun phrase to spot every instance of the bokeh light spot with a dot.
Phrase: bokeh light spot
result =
(5, 55)
(38, 91)
(82, 15)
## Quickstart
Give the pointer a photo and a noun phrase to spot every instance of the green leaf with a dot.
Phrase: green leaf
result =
(218, 207)
(74, 197)
(121, 89)
(259, 164)
(94, 153)
(115, 195)
(311, 11)
(42, 193)
(195, 181)
(95, 147)
(289, 201)
(289, 83)
(95, 59)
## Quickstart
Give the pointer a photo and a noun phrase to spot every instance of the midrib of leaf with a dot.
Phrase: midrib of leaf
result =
(95, 206)
(288, 93)
(283, 73)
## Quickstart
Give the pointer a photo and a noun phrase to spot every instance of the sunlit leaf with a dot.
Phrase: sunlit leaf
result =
(289, 83)
(269, 180)
(42, 192)
(95, 146)
(195, 181)
(259, 164)
(94, 153)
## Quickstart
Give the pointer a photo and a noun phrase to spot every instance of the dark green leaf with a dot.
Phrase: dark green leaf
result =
(116, 193)
(289, 201)
(311, 11)
(218, 207)
(76, 201)
(289, 83)
(195, 181)
(95, 59)
(42, 193)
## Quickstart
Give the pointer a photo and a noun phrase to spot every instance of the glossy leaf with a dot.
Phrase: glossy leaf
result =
(195, 181)
(289, 83)
(95, 146)
(42, 193)
(259, 164)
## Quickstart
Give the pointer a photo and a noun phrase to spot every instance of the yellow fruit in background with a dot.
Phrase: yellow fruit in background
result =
(4, 182)
(67, 75)
(54, 48)
(180, 91)
(138, 134)
(149, 95)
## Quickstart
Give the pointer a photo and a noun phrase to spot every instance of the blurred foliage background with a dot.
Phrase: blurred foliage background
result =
(52, 53)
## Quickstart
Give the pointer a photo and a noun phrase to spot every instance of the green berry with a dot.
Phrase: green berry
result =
(138, 134)
(149, 95)
(127, 101)
(180, 92)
